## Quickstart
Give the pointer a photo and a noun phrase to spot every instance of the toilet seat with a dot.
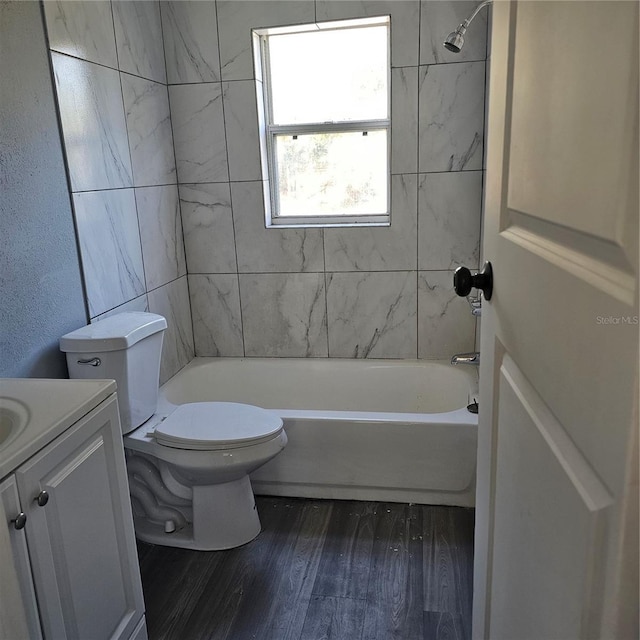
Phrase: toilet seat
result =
(211, 426)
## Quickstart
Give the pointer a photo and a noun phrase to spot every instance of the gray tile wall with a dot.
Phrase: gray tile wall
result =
(164, 163)
(109, 67)
(376, 292)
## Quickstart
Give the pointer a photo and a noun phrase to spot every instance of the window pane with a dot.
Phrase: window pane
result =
(329, 76)
(332, 173)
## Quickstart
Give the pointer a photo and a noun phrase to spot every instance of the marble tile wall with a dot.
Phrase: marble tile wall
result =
(109, 67)
(365, 292)
(158, 108)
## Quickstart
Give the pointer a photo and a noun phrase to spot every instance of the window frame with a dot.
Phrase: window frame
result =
(269, 131)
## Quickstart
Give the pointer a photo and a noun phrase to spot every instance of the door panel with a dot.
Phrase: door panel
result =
(549, 519)
(567, 165)
(83, 535)
(559, 338)
(549, 325)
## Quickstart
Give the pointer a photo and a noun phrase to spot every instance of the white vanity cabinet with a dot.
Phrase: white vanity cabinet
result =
(79, 534)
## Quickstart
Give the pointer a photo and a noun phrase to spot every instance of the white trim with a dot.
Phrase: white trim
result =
(338, 220)
(328, 127)
(325, 26)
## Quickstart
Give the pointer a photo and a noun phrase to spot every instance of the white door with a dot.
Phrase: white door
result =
(556, 520)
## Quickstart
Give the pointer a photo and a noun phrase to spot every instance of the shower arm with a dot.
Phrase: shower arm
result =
(464, 26)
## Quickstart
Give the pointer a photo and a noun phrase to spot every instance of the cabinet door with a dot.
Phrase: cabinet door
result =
(81, 543)
(18, 609)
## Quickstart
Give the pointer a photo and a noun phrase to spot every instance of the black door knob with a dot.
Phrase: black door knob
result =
(464, 281)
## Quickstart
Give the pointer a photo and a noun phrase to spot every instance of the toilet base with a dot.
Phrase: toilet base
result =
(224, 517)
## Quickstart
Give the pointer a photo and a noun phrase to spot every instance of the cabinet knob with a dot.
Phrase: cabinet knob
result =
(19, 521)
(42, 498)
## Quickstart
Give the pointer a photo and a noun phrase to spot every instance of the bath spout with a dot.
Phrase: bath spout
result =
(466, 358)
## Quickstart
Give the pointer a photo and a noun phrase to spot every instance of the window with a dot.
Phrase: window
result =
(324, 103)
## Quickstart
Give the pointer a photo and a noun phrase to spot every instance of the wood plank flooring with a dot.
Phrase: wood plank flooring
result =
(320, 570)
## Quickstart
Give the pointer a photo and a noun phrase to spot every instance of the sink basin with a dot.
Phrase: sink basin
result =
(35, 411)
(14, 417)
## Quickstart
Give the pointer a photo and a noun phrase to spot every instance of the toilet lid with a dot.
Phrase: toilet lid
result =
(217, 425)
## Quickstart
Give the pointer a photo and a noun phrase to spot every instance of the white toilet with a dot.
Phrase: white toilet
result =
(188, 464)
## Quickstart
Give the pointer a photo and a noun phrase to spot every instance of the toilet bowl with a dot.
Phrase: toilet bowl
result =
(188, 464)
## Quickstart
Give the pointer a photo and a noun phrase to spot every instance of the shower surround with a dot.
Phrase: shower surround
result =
(159, 117)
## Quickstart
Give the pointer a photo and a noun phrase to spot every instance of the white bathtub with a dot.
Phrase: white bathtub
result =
(388, 430)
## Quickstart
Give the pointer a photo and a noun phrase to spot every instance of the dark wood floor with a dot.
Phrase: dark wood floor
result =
(320, 570)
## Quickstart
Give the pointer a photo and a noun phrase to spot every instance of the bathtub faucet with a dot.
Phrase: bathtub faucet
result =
(466, 358)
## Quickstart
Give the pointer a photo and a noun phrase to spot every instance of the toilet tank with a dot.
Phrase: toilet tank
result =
(125, 347)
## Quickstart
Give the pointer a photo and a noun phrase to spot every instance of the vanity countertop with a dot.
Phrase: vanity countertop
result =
(33, 412)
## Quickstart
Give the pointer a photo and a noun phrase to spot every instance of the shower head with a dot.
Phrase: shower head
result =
(455, 40)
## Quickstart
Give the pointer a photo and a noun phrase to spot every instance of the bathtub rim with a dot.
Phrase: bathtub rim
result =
(470, 373)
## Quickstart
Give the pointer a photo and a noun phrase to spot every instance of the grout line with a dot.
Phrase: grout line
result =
(302, 273)
(133, 179)
(144, 270)
(179, 203)
(105, 66)
(99, 64)
(417, 196)
(145, 186)
(329, 273)
(233, 220)
(142, 295)
(444, 64)
(168, 282)
(326, 309)
(253, 79)
(133, 75)
(400, 173)
(192, 184)
(187, 84)
(324, 262)
(237, 273)
(422, 173)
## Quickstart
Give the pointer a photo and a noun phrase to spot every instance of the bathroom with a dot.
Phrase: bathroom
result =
(160, 226)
